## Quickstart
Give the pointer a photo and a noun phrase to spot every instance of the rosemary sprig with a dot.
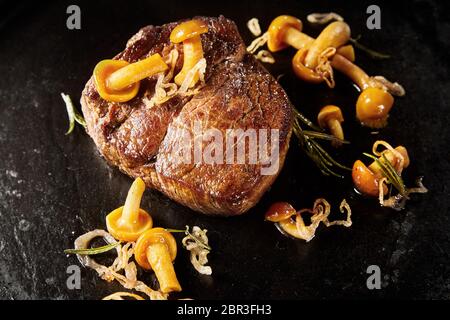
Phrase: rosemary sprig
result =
(74, 115)
(370, 52)
(307, 140)
(390, 173)
(92, 251)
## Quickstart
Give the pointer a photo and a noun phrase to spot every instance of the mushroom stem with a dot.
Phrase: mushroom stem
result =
(334, 35)
(189, 33)
(351, 70)
(336, 130)
(159, 258)
(135, 72)
(130, 213)
(193, 52)
(297, 39)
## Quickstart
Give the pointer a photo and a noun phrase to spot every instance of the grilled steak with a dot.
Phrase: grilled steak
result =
(238, 93)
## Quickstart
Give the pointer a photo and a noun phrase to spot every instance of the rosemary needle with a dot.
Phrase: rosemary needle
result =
(92, 251)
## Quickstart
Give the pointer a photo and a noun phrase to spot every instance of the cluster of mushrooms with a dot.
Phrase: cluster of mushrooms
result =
(316, 59)
(132, 235)
(119, 80)
(315, 62)
(155, 248)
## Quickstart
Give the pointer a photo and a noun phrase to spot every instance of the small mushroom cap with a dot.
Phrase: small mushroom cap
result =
(347, 52)
(276, 31)
(373, 106)
(328, 113)
(365, 180)
(102, 71)
(128, 232)
(280, 211)
(187, 30)
(155, 235)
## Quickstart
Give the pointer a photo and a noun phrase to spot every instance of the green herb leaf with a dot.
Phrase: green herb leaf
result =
(74, 115)
(371, 53)
(92, 251)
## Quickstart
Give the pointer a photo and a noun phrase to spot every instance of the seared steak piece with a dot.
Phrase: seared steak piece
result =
(238, 94)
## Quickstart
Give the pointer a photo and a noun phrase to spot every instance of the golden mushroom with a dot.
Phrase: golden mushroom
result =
(127, 223)
(374, 103)
(285, 31)
(367, 179)
(373, 107)
(311, 63)
(118, 80)
(155, 250)
(303, 72)
(189, 33)
(334, 35)
(282, 213)
(330, 117)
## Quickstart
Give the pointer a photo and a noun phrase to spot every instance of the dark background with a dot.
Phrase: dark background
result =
(55, 187)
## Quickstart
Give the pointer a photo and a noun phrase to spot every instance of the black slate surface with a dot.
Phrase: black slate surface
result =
(54, 187)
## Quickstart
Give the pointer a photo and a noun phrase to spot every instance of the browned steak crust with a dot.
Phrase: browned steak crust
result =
(238, 94)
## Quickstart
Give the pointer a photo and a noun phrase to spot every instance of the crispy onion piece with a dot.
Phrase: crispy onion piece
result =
(320, 213)
(253, 26)
(398, 201)
(172, 62)
(343, 207)
(323, 18)
(264, 56)
(393, 88)
(199, 67)
(324, 66)
(164, 89)
(111, 273)
(258, 43)
(119, 296)
(196, 243)
(83, 241)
